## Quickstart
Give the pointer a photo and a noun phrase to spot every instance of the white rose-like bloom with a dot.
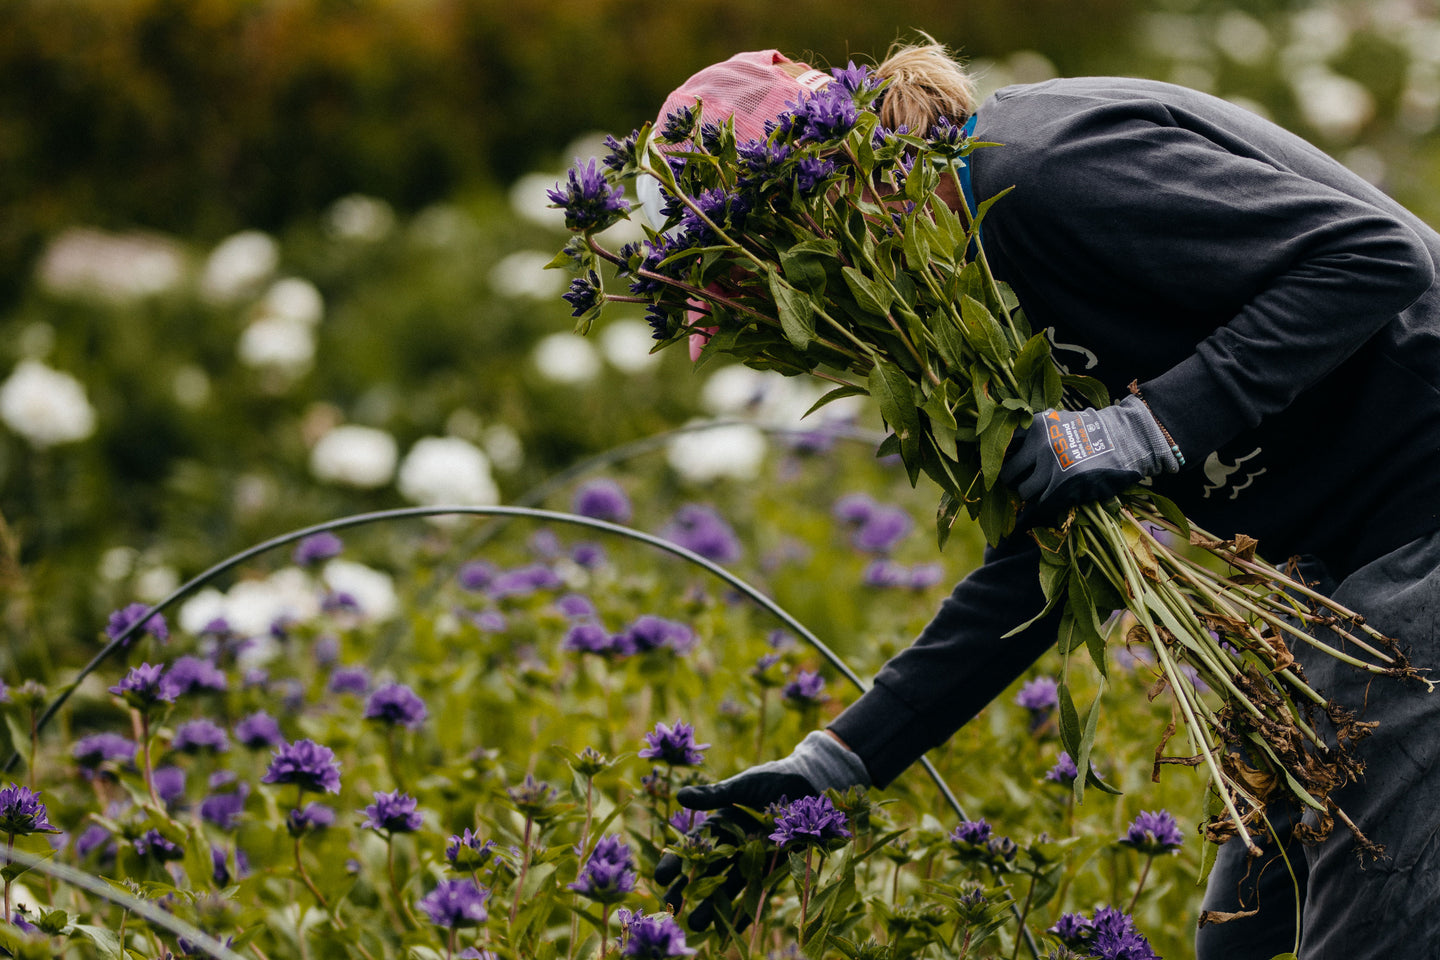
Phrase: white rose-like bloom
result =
(252, 607)
(355, 456)
(529, 200)
(294, 299)
(372, 589)
(627, 344)
(734, 451)
(47, 407)
(277, 343)
(118, 267)
(523, 274)
(566, 358)
(447, 470)
(358, 217)
(238, 265)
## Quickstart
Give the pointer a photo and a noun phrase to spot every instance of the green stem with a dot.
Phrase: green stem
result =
(524, 868)
(1024, 913)
(1140, 884)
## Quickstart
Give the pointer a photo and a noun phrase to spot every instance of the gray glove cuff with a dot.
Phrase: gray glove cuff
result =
(822, 760)
(1138, 437)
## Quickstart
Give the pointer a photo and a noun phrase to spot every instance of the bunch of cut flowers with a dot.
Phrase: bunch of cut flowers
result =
(827, 250)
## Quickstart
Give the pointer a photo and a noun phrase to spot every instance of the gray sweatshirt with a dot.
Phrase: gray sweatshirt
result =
(1279, 312)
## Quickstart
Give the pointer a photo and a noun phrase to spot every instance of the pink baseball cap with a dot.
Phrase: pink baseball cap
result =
(754, 88)
(751, 87)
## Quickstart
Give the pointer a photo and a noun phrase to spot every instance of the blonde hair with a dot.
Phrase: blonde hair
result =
(926, 83)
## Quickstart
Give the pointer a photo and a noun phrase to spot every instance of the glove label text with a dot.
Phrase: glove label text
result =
(1076, 436)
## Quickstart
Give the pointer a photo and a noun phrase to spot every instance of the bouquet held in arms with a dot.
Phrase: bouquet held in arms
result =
(829, 249)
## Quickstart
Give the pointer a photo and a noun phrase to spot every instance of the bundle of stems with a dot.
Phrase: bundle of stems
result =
(829, 249)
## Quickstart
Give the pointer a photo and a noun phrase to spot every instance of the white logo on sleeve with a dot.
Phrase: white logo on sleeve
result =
(1218, 472)
(1090, 358)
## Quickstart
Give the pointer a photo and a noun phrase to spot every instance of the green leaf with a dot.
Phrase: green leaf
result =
(1069, 721)
(949, 341)
(797, 313)
(105, 941)
(917, 250)
(994, 441)
(996, 517)
(804, 264)
(870, 296)
(1090, 389)
(836, 394)
(893, 391)
(1171, 512)
(984, 332)
(945, 516)
(1088, 626)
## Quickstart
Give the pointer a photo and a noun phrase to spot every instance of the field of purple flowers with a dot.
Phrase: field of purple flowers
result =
(440, 738)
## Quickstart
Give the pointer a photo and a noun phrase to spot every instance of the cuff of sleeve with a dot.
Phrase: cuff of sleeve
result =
(885, 732)
(1199, 415)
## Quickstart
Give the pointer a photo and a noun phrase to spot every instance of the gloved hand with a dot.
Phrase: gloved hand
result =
(1069, 457)
(818, 763)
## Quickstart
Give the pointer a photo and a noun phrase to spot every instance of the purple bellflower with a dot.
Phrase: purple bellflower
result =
(654, 938)
(456, 903)
(588, 199)
(675, 745)
(397, 705)
(608, 873)
(1154, 833)
(393, 812)
(309, 765)
(126, 617)
(808, 822)
(22, 813)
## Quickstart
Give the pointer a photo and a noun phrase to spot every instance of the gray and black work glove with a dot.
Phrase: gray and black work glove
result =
(818, 763)
(1069, 457)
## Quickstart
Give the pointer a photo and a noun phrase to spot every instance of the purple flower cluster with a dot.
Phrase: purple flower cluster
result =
(153, 844)
(584, 295)
(310, 818)
(188, 675)
(701, 529)
(467, 851)
(827, 114)
(224, 809)
(397, 705)
(608, 873)
(807, 689)
(656, 937)
(145, 687)
(1154, 833)
(649, 632)
(349, 680)
(169, 784)
(97, 748)
(1109, 935)
(973, 832)
(22, 813)
(200, 736)
(259, 731)
(812, 173)
(602, 499)
(316, 549)
(675, 745)
(1064, 771)
(808, 822)
(126, 617)
(309, 765)
(456, 903)
(882, 573)
(589, 200)
(719, 207)
(1039, 695)
(523, 581)
(393, 812)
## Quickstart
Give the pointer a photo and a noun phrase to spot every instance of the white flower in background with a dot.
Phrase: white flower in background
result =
(358, 217)
(1335, 105)
(355, 456)
(373, 590)
(566, 358)
(447, 470)
(156, 583)
(443, 225)
(523, 274)
(735, 451)
(765, 396)
(529, 201)
(276, 343)
(1242, 38)
(118, 267)
(238, 266)
(627, 344)
(252, 607)
(116, 563)
(503, 447)
(47, 407)
(294, 299)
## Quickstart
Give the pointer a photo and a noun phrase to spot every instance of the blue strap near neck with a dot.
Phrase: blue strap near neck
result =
(969, 130)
